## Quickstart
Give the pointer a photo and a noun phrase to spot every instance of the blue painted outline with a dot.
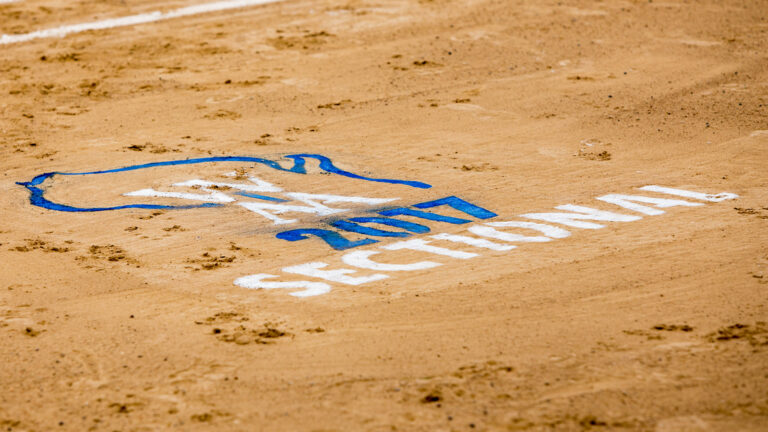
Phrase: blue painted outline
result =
(37, 195)
(460, 205)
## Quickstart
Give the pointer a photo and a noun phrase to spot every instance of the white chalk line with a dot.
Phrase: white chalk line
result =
(131, 20)
(8, 1)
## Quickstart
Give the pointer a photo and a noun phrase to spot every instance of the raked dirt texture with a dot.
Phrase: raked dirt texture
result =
(394, 215)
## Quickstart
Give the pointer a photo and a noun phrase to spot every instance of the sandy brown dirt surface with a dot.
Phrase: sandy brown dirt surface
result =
(129, 320)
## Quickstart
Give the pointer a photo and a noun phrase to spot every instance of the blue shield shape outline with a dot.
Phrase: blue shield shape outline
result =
(37, 193)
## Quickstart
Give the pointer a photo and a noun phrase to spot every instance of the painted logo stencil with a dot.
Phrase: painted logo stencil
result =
(37, 194)
(465, 224)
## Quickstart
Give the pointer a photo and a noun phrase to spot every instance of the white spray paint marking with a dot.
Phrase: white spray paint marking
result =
(331, 199)
(722, 196)
(9, 1)
(268, 210)
(261, 209)
(314, 207)
(473, 241)
(276, 209)
(547, 230)
(213, 196)
(132, 20)
(487, 231)
(310, 288)
(424, 246)
(571, 219)
(313, 270)
(626, 201)
(361, 259)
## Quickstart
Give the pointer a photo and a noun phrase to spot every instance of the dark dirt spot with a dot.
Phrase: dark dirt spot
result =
(672, 327)
(241, 174)
(304, 42)
(756, 335)
(68, 57)
(271, 333)
(594, 149)
(321, 33)
(174, 228)
(37, 244)
(488, 369)
(222, 114)
(425, 63)
(647, 334)
(602, 156)
(106, 252)
(151, 215)
(751, 211)
(315, 330)
(152, 148)
(10, 424)
(223, 317)
(259, 81)
(334, 105)
(590, 421)
(580, 78)
(211, 262)
(265, 139)
(432, 397)
(242, 335)
(485, 166)
(202, 418)
(123, 408)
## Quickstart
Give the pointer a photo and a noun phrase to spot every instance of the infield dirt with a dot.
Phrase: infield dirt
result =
(129, 320)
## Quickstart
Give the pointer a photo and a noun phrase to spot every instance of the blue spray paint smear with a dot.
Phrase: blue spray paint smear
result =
(37, 195)
(261, 197)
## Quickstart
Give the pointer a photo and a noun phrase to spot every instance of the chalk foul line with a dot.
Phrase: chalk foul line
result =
(130, 20)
